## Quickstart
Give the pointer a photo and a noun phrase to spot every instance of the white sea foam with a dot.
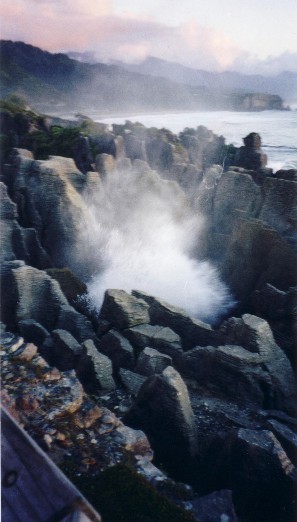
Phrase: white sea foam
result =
(139, 234)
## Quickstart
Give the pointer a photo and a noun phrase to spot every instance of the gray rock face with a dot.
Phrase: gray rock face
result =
(159, 337)
(257, 372)
(76, 323)
(279, 208)
(124, 310)
(191, 331)
(118, 349)
(134, 146)
(131, 380)
(151, 361)
(250, 156)
(262, 255)
(163, 410)
(38, 296)
(17, 242)
(8, 213)
(33, 331)
(286, 436)
(255, 467)
(94, 369)
(48, 196)
(255, 335)
(105, 164)
(67, 351)
(270, 302)
(215, 507)
(236, 192)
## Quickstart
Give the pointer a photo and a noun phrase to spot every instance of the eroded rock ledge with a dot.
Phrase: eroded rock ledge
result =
(216, 403)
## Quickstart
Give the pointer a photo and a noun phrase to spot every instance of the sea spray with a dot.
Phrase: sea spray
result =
(139, 233)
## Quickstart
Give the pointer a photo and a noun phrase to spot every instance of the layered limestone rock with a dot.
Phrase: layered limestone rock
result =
(174, 434)
(255, 466)
(191, 331)
(18, 242)
(123, 310)
(250, 367)
(118, 349)
(48, 196)
(250, 156)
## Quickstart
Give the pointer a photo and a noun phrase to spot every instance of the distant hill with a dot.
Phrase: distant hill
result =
(283, 84)
(55, 82)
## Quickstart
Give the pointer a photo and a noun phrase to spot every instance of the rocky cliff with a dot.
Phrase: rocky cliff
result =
(216, 403)
(54, 82)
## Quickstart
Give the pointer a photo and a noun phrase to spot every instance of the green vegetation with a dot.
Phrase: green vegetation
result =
(57, 142)
(120, 494)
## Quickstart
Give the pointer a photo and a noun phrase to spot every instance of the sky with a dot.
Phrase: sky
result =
(251, 36)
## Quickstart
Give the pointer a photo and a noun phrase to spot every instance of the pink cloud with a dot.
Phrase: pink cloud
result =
(81, 25)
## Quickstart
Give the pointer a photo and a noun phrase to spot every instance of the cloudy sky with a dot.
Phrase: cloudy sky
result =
(245, 35)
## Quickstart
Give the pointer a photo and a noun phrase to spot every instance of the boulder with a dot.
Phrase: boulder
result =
(94, 369)
(254, 465)
(250, 156)
(286, 436)
(118, 349)
(254, 334)
(123, 310)
(131, 380)
(79, 326)
(257, 373)
(216, 507)
(159, 337)
(162, 409)
(191, 331)
(33, 331)
(66, 350)
(151, 361)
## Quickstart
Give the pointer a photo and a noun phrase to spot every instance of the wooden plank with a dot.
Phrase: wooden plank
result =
(34, 461)
(25, 483)
(41, 491)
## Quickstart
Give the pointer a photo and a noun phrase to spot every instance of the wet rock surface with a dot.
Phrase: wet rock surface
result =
(217, 403)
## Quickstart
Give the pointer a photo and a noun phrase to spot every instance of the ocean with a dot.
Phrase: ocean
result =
(278, 129)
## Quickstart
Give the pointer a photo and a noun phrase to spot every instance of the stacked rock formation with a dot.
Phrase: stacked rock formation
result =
(217, 403)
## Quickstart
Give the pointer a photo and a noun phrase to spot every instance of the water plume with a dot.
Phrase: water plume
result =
(140, 233)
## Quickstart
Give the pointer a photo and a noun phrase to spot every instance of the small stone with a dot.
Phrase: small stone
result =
(27, 403)
(87, 416)
(48, 440)
(16, 344)
(52, 374)
(60, 436)
(89, 461)
(26, 352)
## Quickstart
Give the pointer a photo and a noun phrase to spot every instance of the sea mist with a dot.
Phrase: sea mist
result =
(139, 233)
